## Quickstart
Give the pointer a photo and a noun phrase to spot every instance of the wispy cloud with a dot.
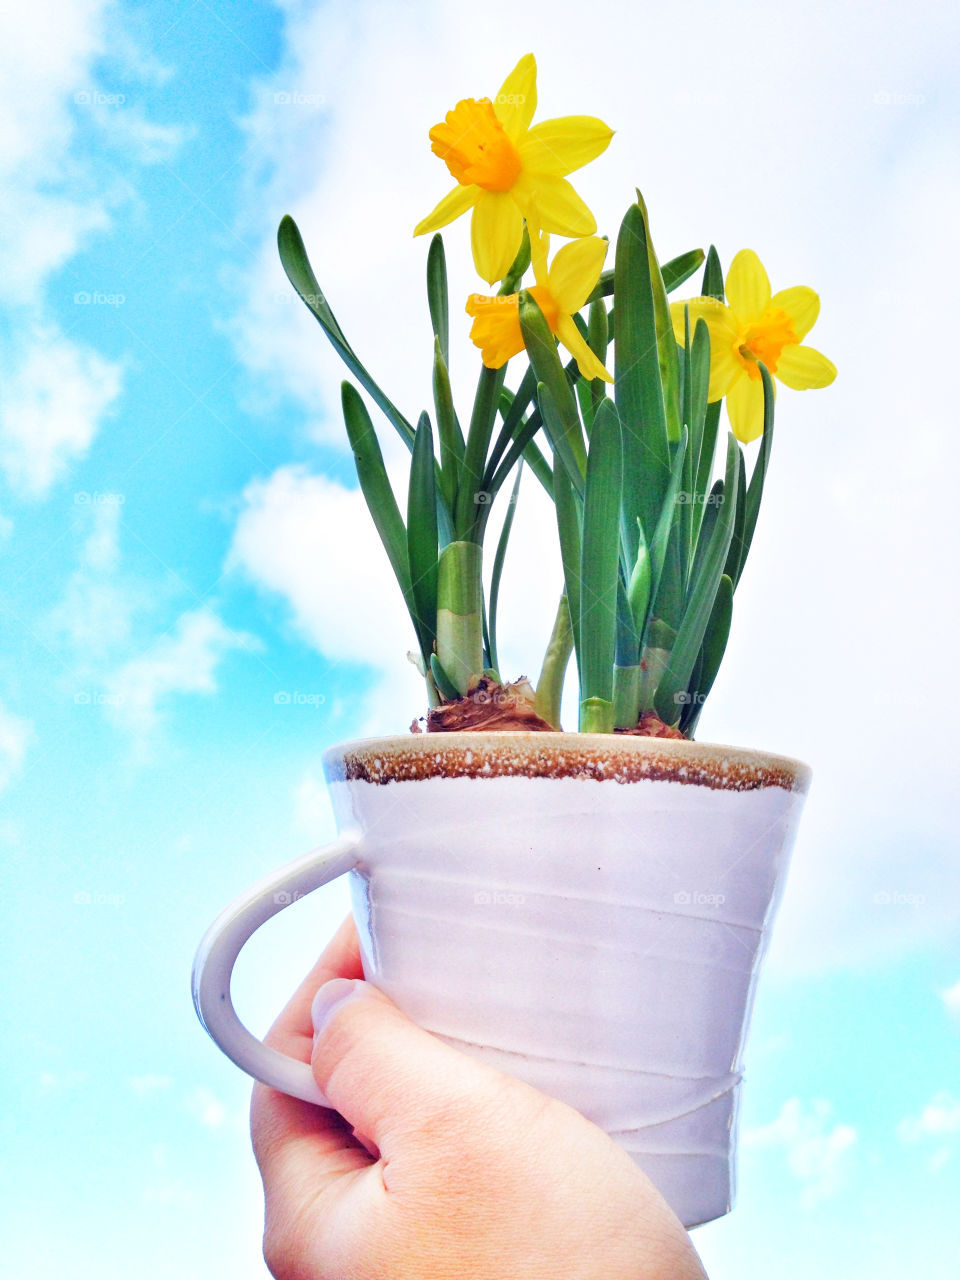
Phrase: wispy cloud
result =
(938, 1119)
(816, 1148)
(184, 660)
(57, 394)
(951, 998)
(15, 734)
(58, 192)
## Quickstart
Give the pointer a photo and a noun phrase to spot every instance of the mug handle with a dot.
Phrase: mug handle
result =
(222, 943)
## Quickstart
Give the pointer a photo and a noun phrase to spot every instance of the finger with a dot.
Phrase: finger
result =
(285, 1130)
(386, 1076)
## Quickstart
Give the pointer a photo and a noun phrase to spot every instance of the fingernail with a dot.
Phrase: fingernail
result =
(329, 998)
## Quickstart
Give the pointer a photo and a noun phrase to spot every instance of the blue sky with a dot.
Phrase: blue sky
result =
(182, 542)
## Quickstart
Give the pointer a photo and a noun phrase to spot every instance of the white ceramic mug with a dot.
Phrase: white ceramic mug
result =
(586, 912)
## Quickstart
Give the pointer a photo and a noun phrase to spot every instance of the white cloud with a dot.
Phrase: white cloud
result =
(310, 540)
(57, 193)
(57, 393)
(15, 734)
(816, 1149)
(185, 660)
(846, 181)
(312, 810)
(96, 611)
(951, 998)
(939, 1118)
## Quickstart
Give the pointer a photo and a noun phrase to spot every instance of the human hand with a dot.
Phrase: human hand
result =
(435, 1166)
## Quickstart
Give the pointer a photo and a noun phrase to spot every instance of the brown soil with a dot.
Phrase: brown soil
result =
(490, 706)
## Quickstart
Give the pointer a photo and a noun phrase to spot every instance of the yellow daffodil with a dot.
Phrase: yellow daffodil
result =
(560, 292)
(507, 171)
(756, 326)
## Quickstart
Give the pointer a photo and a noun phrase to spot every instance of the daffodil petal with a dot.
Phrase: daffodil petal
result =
(539, 249)
(804, 369)
(587, 362)
(458, 201)
(552, 203)
(801, 304)
(574, 272)
(496, 328)
(745, 408)
(721, 326)
(517, 99)
(496, 230)
(748, 288)
(562, 145)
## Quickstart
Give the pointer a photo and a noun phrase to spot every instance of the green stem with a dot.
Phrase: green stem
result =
(460, 612)
(555, 660)
(596, 716)
(626, 696)
(655, 660)
(470, 494)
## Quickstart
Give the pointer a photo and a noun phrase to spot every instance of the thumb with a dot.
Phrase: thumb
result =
(386, 1076)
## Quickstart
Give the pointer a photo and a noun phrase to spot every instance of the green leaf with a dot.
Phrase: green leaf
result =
(376, 490)
(296, 264)
(512, 408)
(736, 552)
(666, 518)
(448, 690)
(567, 507)
(600, 556)
(452, 444)
(674, 273)
(717, 634)
(563, 449)
(498, 560)
(639, 587)
(422, 535)
(708, 449)
(437, 296)
(470, 495)
(755, 490)
(637, 385)
(696, 405)
(703, 593)
(542, 351)
(712, 276)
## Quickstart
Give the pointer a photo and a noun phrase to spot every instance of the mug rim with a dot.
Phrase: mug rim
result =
(621, 758)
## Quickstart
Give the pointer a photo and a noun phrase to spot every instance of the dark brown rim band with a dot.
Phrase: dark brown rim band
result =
(597, 756)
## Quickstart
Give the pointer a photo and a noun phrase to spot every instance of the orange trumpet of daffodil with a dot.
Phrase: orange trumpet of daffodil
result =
(561, 290)
(507, 171)
(756, 326)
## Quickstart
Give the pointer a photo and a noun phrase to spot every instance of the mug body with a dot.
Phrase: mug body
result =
(585, 912)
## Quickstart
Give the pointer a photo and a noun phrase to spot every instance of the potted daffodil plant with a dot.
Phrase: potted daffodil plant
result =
(587, 909)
